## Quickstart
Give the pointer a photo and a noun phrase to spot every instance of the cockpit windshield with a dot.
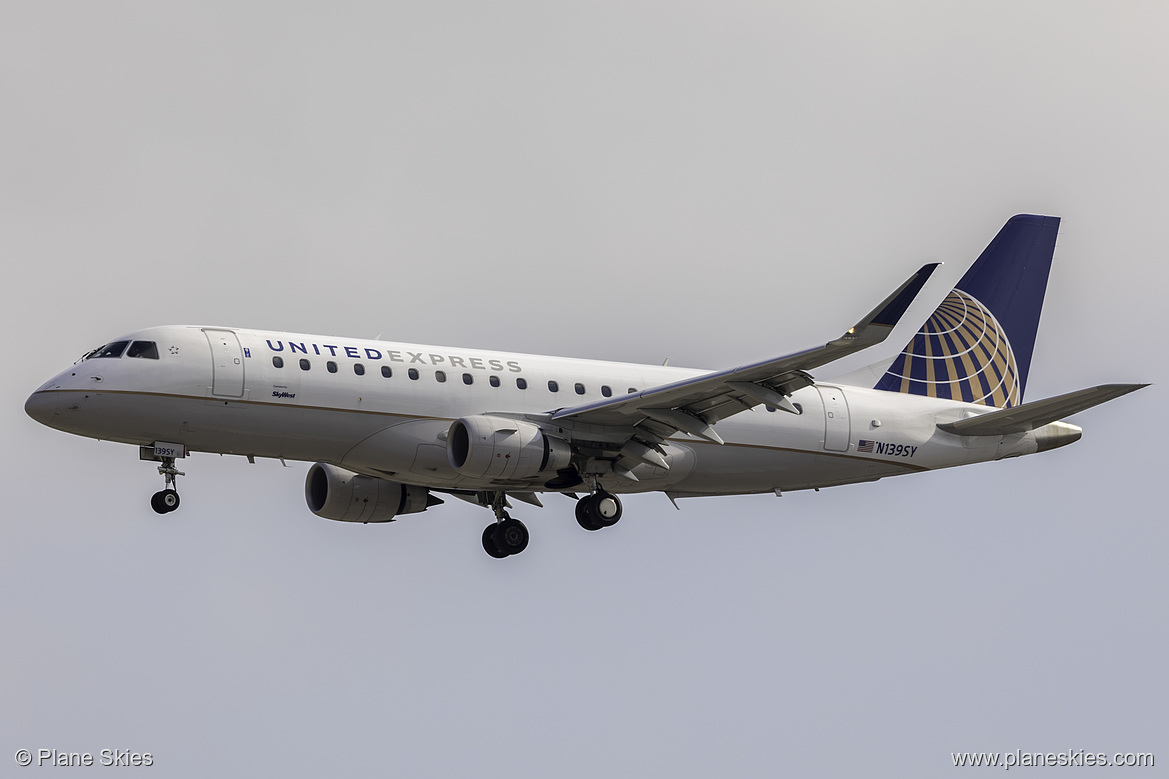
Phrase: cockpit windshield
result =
(145, 349)
(113, 349)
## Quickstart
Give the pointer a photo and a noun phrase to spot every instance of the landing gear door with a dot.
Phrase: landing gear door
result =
(227, 363)
(836, 425)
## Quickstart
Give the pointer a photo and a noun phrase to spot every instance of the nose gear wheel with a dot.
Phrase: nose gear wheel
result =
(165, 501)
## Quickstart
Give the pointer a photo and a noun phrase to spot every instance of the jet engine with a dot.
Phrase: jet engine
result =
(335, 493)
(501, 448)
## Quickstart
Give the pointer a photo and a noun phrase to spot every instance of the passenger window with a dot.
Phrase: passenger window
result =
(359, 369)
(331, 366)
(579, 388)
(521, 383)
(632, 390)
(799, 408)
(770, 408)
(468, 378)
(440, 376)
(413, 374)
(144, 349)
(606, 390)
(305, 364)
(387, 371)
(494, 381)
(277, 361)
(553, 386)
(114, 349)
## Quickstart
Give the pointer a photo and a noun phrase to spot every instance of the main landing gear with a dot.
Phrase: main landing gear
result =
(598, 510)
(167, 500)
(505, 536)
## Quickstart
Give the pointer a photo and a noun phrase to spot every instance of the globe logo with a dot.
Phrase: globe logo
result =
(960, 353)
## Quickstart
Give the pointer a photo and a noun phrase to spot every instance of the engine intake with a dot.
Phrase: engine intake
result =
(499, 448)
(335, 493)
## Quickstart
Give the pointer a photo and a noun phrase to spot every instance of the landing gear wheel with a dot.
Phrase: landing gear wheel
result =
(601, 509)
(169, 499)
(165, 501)
(606, 509)
(584, 515)
(511, 536)
(489, 545)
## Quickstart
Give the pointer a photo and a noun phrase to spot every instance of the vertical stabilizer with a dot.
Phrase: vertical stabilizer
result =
(977, 346)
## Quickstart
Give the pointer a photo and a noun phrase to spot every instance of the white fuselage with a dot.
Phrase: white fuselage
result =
(220, 390)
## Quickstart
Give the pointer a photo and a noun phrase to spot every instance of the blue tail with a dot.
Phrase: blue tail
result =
(977, 346)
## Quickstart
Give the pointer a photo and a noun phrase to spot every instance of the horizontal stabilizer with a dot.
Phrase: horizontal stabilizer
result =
(1029, 416)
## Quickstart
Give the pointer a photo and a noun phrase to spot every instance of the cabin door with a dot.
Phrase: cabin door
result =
(836, 425)
(227, 363)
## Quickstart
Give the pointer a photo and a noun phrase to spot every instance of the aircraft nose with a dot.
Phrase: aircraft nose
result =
(41, 406)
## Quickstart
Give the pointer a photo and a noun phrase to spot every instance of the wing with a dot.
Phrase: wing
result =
(693, 405)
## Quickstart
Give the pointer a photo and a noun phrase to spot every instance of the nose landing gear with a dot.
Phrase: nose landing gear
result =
(167, 500)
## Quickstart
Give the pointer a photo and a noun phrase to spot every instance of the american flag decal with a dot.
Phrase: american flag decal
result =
(864, 447)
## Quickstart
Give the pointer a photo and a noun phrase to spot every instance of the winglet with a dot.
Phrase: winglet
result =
(894, 307)
(889, 311)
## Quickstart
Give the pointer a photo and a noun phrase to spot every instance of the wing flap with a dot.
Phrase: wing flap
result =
(1028, 416)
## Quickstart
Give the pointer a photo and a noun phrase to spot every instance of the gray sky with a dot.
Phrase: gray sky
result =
(707, 182)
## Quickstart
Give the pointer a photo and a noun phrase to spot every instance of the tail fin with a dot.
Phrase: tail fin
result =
(977, 346)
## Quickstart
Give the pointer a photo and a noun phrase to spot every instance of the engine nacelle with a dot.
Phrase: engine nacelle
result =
(487, 447)
(335, 493)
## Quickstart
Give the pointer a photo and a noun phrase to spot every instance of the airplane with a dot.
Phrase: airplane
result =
(391, 426)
